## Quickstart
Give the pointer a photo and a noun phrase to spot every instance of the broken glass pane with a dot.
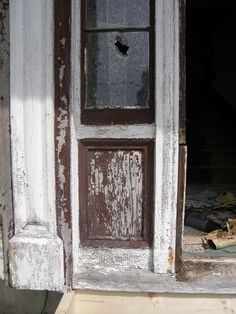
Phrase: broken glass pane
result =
(117, 13)
(117, 70)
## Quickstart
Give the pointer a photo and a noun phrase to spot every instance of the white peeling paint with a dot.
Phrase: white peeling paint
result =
(166, 148)
(109, 258)
(35, 251)
(120, 182)
(165, 133)
(35, 262)
(61, 141)
(32, 113)
(61, 74)
(63, 41)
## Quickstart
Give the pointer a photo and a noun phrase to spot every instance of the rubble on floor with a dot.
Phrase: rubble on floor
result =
(215, 214)
(219, 239)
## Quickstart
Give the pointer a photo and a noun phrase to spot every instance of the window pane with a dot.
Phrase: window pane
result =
(117, 70)
(117, 13)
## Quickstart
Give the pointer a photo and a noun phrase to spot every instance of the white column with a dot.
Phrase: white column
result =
(166, 150)
(36, 252)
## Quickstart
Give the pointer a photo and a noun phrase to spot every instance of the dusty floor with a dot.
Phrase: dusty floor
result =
(203, 195)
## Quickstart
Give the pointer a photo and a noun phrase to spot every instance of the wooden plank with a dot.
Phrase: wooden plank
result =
(93, 302)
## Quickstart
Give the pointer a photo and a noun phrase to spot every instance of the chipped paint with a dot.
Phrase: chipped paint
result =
(6, 211)
(63, 41)
(115, 195)
(113, 258)
(165, 133)
(62, 11)
(35, 250)
(41, 258)
(61, 74)
(167, 138)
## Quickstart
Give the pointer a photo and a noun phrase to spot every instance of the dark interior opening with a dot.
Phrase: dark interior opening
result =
(210, 118)
(211, 91)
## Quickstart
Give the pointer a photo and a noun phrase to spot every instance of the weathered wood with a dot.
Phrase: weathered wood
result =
(116, 192)
(6, 211)
(215, 279)
(166, 148)
(180, 205)
(62, 83)
(110, 257)
(35, 250)
(167, 137)
(94, 302)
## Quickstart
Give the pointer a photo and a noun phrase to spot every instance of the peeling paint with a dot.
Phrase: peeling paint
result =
(62, 11)
(63, 41)
(61, 74)
(6, 210)
(35, 251)
(25, 258)
(116, 194)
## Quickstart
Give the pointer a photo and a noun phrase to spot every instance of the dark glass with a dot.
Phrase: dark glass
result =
(117, 13)
(117, 67)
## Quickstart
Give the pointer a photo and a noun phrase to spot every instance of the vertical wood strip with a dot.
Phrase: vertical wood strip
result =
(182, 139)
(167, 137)
(182, 108)
(6, 208)
(62, 44)
(180, 205)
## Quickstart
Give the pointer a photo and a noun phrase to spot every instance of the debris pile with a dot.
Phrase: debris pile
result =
(218, 220)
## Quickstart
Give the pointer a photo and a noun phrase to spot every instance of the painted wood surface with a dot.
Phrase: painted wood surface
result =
(115, 192)
(101, 256)
(115, 188)
(94, 302)
(6, 211)
(62, 81)
(167, 137)
(36, 252)
(166, 140)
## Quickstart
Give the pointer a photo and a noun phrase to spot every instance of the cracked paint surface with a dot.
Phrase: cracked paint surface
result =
(115, 194)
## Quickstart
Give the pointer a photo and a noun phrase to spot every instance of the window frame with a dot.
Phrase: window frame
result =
(160, 258)
(106, 116)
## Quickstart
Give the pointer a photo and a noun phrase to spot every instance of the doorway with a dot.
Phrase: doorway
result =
(210, 121)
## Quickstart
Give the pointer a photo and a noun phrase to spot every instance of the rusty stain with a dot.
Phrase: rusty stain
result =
(171, 258)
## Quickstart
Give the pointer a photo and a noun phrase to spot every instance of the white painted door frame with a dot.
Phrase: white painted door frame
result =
(36, 251)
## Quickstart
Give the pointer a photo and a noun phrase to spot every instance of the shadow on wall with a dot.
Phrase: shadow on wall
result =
(13, 301)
